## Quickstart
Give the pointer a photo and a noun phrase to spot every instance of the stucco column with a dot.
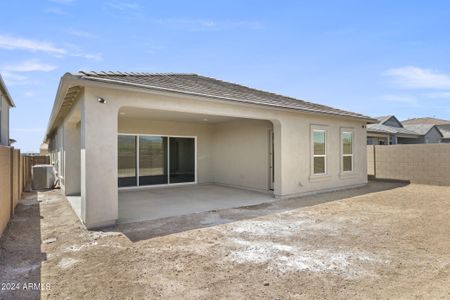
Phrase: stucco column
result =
(99, 190)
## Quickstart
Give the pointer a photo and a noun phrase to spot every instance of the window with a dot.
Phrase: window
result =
(319, 151)
(347, 151)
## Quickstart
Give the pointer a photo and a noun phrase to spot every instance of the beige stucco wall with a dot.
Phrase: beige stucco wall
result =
(420, 163)
(292, 130)
(241, 153)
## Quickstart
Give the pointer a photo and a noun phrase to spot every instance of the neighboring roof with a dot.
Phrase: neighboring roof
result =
(421, 129)
(193, 84)
(383, 119)
(380, 128)
(426, 120)
(5, 91)
(386, 129)
(445, 130)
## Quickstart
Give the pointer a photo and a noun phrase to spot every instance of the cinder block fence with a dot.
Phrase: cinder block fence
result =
(419, 163)
(15, 176)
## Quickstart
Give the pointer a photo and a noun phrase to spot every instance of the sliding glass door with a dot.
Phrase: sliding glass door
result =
(127, 160)
(155, 160)
(152, 160)
(182, 160)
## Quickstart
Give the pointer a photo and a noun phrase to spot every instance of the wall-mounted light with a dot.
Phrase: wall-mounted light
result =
(206, 120)
(101, 100)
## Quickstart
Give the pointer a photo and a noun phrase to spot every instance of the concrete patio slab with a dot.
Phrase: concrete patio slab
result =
(157, 203)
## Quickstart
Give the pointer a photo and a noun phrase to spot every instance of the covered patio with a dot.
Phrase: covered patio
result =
(162, 202)
(174, 163)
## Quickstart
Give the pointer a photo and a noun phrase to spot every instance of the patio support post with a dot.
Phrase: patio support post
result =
(99, 188)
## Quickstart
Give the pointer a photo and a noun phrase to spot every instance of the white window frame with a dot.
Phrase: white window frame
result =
(347, 155)
(313, 155)
(168, 184)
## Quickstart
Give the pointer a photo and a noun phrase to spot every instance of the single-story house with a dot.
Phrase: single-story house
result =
(113, 134)
(442, 125)
(429, 134)
(390, 131)
(387, 131)
(6, 103)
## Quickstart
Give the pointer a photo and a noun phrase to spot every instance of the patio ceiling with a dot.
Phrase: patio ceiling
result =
(162, 115)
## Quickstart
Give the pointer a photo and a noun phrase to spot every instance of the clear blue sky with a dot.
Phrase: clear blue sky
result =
(373, 57)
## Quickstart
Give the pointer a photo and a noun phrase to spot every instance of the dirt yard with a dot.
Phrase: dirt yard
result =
(381, 241)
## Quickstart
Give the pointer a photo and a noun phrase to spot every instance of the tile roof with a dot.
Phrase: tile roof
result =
(426, 120)
(383, 119)
(421, 129)
(198, 85)
(380, 128)
(445, 130)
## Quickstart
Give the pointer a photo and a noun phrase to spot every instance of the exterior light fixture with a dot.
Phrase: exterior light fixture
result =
(101, 100)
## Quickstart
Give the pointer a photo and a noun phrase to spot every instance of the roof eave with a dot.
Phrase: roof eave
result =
(62, 87)
(368, 120)
(6, 92)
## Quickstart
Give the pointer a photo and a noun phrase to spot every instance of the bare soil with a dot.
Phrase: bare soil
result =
(382, 241)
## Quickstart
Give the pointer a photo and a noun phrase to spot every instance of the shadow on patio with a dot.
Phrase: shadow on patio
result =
(160, 227)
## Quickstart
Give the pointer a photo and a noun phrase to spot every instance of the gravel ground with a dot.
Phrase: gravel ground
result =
(382, 241)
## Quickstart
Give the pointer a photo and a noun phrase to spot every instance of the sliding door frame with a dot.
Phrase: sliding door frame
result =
(137, 135)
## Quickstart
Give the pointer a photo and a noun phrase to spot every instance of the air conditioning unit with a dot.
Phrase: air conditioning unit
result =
(43, 177)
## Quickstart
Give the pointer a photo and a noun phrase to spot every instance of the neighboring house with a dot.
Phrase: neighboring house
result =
(110, 131)
(442, 125)
(6, 103)
(388, 131)
(429, 134)
(43, 149)
(445, 130)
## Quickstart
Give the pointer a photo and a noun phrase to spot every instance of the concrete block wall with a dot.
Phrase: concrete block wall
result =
(5, 186)
(11, 183)
(370, 160)
(419, 163)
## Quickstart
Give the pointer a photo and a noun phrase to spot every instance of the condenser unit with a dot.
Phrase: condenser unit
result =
(43, 177)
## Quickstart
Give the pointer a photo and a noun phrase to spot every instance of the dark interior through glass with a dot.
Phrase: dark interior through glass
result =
(127, 160)
(152, 160)
(182, 160)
